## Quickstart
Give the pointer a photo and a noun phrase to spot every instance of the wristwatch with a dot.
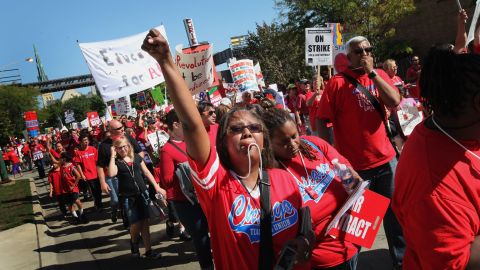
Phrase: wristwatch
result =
(372, 74)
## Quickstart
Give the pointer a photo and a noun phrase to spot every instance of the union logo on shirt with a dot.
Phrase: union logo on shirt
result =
(244, 217)
(363, 101)
(319, 180)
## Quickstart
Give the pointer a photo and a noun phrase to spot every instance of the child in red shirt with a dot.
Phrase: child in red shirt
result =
(70, 177)
(15, 162)
(55, 180)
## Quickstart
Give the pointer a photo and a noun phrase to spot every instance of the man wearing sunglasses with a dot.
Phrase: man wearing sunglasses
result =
(207, 112)
(359, 131)
(109, 185)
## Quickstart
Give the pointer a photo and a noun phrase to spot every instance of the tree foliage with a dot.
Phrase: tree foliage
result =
(14, 101)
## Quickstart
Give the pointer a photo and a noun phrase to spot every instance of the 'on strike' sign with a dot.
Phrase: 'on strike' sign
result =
(318, 46)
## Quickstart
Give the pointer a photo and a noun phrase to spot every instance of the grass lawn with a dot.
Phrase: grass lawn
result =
(15, 204)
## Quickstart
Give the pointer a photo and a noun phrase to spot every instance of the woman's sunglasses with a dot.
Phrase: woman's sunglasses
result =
(253, 128)
(210, 113)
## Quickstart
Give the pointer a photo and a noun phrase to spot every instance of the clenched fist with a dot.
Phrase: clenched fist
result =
(156, 45)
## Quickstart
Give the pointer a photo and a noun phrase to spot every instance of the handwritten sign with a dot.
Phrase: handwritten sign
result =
(408, 115)
(158, 139)
(361, 223)
(244, 76)
(318, 46)
(120, 67)
(196, 66)
(69, 117)
(258, 73)
(123, 105)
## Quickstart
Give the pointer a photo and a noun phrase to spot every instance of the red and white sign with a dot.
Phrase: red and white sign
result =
(360, 224)
(94, 119)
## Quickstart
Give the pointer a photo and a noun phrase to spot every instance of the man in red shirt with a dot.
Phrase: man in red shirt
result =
(27, 156)
(207, 112)
(437, 184)
(360, 135)
(15, 161)
(413, 72)
(38, 152)
(86, 159)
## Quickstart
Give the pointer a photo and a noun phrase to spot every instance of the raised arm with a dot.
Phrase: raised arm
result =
(196, 137)
(461, 38)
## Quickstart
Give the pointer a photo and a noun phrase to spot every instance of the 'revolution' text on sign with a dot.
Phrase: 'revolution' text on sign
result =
(318, 46)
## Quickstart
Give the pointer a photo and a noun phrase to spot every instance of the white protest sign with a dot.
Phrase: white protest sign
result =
(85, 123)
(318, 46)
(196, 66)
(122, 105)
(231, 90)
(408, 115)
(258, 73)
(158, 139)
(471, 31)
(120, 67)
(243, 74)
(69, 117)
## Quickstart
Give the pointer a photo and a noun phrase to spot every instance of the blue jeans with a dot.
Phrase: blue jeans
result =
(112, 183)
(195, 222)
(382, 182)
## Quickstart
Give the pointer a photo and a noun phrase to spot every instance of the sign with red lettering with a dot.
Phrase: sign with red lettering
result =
(93, 119)
(120, 67)
(360, 224)
(197, 67)
(244, 76)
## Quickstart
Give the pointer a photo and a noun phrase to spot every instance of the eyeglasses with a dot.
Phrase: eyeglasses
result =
(210, 113)
(121, 147)
(361, 50)
(253, 128)
(119, 128)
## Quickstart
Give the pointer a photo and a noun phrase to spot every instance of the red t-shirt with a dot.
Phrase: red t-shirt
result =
(55, 178)
(87, 159)
(55, 154)
(234, 215)
(360, 134)
(26, 149)
(437, 200)
(37, 152)
(212, 131)
(14, 157)
(412, 74)
(294, 104)
(169, 158)
(397, 81)
(69, 184)
(312, 109)
(331, 194)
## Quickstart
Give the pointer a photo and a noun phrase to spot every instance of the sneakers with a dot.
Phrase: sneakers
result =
(152, 255)
(170, 229)
(185, 236)
(114, 216)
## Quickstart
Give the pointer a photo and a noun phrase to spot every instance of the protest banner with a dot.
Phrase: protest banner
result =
(340, 61)
(408, 115)
(120, 67)
(158, 139)
(31, 122)
(232, 92)
(318, 46)
(243, 74)
(85, 123)
(142, 101)
(93, 119)
(473, 23)
(258, 73)
(158, 94)
(197, 67)
(361, 222)
(123, 105)
(69, 116)
(215, 96)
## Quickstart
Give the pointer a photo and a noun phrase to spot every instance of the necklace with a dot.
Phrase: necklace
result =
(294, 177)
(453, 139)
(254, 192)
(130, 171)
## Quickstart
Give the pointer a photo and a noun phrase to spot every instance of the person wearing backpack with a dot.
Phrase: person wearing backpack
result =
(187, 207)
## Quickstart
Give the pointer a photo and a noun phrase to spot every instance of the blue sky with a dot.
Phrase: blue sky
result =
(54, 27)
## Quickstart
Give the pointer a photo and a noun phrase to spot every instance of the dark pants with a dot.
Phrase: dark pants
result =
(61, 204)
(40, 167)
(96, 191)
(382, 183)
(195, 222)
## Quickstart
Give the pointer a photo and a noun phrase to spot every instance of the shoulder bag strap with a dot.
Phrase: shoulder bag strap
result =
(266, 242)
(178, 148)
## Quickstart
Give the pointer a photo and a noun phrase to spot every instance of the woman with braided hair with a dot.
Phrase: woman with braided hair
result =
(309, 160)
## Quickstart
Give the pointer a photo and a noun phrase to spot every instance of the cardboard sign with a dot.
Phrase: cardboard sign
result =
(120, 67)
(408, 115)
(361, 223)
(196, 66)
(69, 117)
(123, 105)
(158, 139)
(243, 74)
(318, 46)
(93, 119)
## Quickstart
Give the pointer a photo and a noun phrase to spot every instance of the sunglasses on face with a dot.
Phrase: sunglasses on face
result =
(210, 113)
(361, 50)
(253, 128)
(119, 128)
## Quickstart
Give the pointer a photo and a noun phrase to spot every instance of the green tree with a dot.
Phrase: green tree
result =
(281, 57)
(14, 101)
(375, 19)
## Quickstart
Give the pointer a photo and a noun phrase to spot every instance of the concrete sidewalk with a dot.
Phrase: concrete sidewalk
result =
(53, 243)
